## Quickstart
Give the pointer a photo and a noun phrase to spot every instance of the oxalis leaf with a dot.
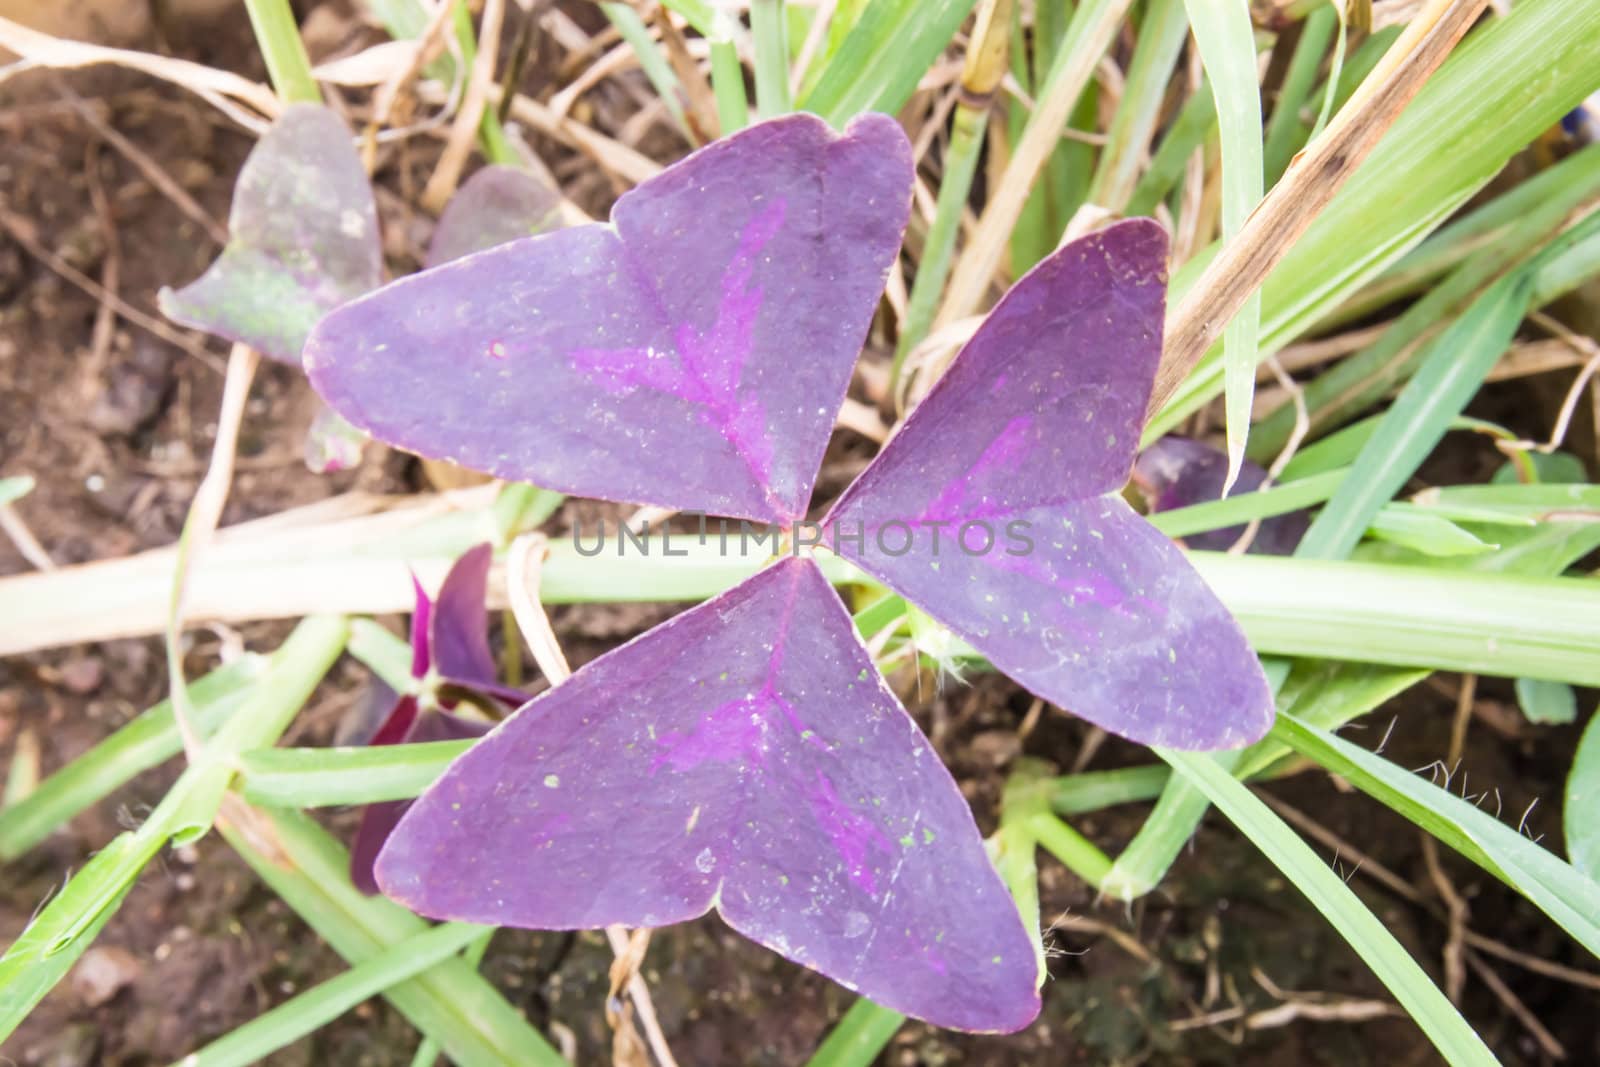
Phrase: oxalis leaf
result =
(746, 756)
(450, 660)
(303, 239)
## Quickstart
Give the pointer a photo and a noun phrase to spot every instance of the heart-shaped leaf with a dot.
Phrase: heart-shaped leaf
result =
(497, 205)
(1015, 461)
(744, 756)
(303, 239)
(693, 354)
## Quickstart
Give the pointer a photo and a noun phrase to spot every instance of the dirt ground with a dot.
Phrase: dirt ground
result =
(115, 424)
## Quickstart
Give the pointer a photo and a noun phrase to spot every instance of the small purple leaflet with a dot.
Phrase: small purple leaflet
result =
(303, 239)
(658, 359)
(786, 788)
(1035, 424)
(450, 660)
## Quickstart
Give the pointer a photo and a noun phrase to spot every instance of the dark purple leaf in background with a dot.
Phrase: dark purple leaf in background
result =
(1176, 472)
(303, 239)
(692, 355)
(497, 205)
(1035, 424)
(745, 756)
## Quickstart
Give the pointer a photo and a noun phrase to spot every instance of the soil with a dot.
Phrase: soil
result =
(115, 429)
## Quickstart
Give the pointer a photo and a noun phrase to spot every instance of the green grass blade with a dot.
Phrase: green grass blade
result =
(1558, 889)
(146, 742)
(451, 1002)
(324, 777)
(655, 66)
(770, 26)
(1189, 131)
(1416, 616)
(1259, 504)
(858, 1038)
(322, 1004)
(1155, 55)
(1226, 38)
(1284, 129)
(382, 653)
(1581, 828)
(887, 51)
(1509, 81)
(1365, 378)
(1364, 931)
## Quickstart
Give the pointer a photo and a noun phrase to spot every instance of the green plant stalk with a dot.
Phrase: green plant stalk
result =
(148, 741)
(320, 1005)
(1363, 930)
(47, 948)
(1155, 56)
(858, 1037)
(1511, 79)
(278, 37)
(933, 269)
(769, 25)
(307, 655)
(655, 66)
(429, 1051)
(727, 78)
(451, 1002)
(520, 507)
(382, 653)
(1284, 128)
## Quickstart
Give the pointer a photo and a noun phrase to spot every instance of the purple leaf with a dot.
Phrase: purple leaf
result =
(693, 354)
(776, 780)
(459, 624)
(1176, 472)
(497, 205)
(303, 239)
(1005, 483)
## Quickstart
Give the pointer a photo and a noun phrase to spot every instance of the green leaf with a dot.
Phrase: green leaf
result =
(1555, 467)
(1547, 702)
(1582, 801)
(1364, 931)
(1448, 378)
(1432, 535)
(887, 51)
(1558, 889)
(1226, 38)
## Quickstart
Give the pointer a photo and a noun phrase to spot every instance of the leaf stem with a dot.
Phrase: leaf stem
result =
(278, 37)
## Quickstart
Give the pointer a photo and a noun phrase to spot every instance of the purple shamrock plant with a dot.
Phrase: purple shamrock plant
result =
(450, 664)
(747, 755)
